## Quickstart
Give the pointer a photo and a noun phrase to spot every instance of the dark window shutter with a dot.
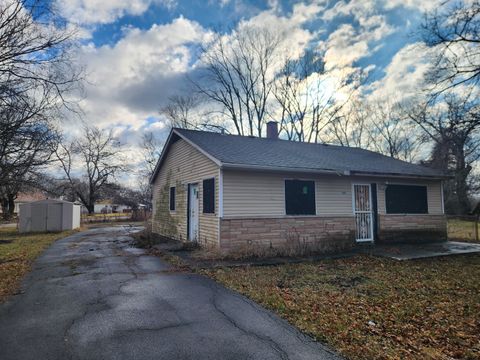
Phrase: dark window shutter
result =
(406, 199)
(172, 198)
(209, 196)
(299, 197)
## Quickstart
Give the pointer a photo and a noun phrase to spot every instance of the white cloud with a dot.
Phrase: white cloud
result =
(127, 82)
(422, 5)
(86, 12)
(296, 37)
(349, 43)
(404, 76)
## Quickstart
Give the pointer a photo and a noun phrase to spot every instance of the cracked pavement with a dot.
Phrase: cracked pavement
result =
(92, 296)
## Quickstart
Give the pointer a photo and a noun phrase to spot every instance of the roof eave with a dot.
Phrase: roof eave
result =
(167, 145)
(329, 171)
(281, 169)
(160, 159)
(401, 175)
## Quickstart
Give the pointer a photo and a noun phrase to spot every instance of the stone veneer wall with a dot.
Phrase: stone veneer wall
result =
(411, 228)
(324, 234)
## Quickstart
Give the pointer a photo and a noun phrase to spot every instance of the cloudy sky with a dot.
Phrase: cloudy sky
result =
(137, 52)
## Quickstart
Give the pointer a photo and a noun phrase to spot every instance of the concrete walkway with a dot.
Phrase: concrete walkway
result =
(91, 296)
(419, 251)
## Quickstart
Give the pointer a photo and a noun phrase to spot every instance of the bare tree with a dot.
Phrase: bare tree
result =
(391, 133)
(97, 157)
(453, 31)
(35, 51)
(349, 128)
(151, 149)
(27, 142)
(36, 71)
(307, 97)
(237, 75)
(180, 111)
(453, 126)
(381, 127)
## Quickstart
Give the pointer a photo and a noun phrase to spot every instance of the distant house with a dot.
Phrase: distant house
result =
(233, 192)
(109, 207)
(23, 198)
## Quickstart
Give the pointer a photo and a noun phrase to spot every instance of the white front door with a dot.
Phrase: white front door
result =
(193, 212)
(362, 210)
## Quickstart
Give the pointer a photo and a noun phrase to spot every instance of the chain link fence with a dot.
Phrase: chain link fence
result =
(136, 215)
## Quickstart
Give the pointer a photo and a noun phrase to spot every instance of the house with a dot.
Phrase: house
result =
(233, 192)
(26, 197)
(108, 207)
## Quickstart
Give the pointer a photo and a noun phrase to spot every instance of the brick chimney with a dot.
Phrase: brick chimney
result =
(272, 130)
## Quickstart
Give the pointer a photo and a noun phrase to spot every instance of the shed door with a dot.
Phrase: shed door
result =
(54, 217)
(362, 208)
(39, 217)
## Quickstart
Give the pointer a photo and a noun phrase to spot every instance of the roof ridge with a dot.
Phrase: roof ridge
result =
(270, 139)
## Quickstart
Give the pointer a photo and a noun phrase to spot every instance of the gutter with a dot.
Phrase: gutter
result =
(328, 171)
(282, 169)
(399, 175)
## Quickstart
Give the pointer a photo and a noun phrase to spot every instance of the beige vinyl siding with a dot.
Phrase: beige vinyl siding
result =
(257, 194)
(252, 194)
(435, 198)
(184, 165)
(263, 194)
(333, 195)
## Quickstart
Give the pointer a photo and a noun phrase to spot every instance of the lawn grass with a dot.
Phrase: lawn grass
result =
(372, 308)
(17, 252)
(461, 230)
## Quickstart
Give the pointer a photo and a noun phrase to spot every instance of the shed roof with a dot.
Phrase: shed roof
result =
(51, 201)
(252, 153)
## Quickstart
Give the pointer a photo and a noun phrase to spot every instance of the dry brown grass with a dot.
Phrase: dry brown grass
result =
(371, 308)
(461, 230)
(17, 252)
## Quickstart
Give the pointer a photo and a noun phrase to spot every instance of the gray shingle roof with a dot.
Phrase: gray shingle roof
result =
(252, 152)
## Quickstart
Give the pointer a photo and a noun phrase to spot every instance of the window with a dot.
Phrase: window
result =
(209, 196)
(172, 199)
(299, 197)
(406, 199)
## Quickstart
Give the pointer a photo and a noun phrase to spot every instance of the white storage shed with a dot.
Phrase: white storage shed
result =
(49, 215)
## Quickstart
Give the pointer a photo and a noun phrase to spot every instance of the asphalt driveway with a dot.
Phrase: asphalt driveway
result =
(92, 296)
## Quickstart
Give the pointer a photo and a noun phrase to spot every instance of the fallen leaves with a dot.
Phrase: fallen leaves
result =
(370, 308)
(17, 255)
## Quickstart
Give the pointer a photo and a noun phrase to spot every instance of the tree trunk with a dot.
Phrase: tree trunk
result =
(11, 205)
(462, 191)
(462, 170)
(5, 212)
(91, 208)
